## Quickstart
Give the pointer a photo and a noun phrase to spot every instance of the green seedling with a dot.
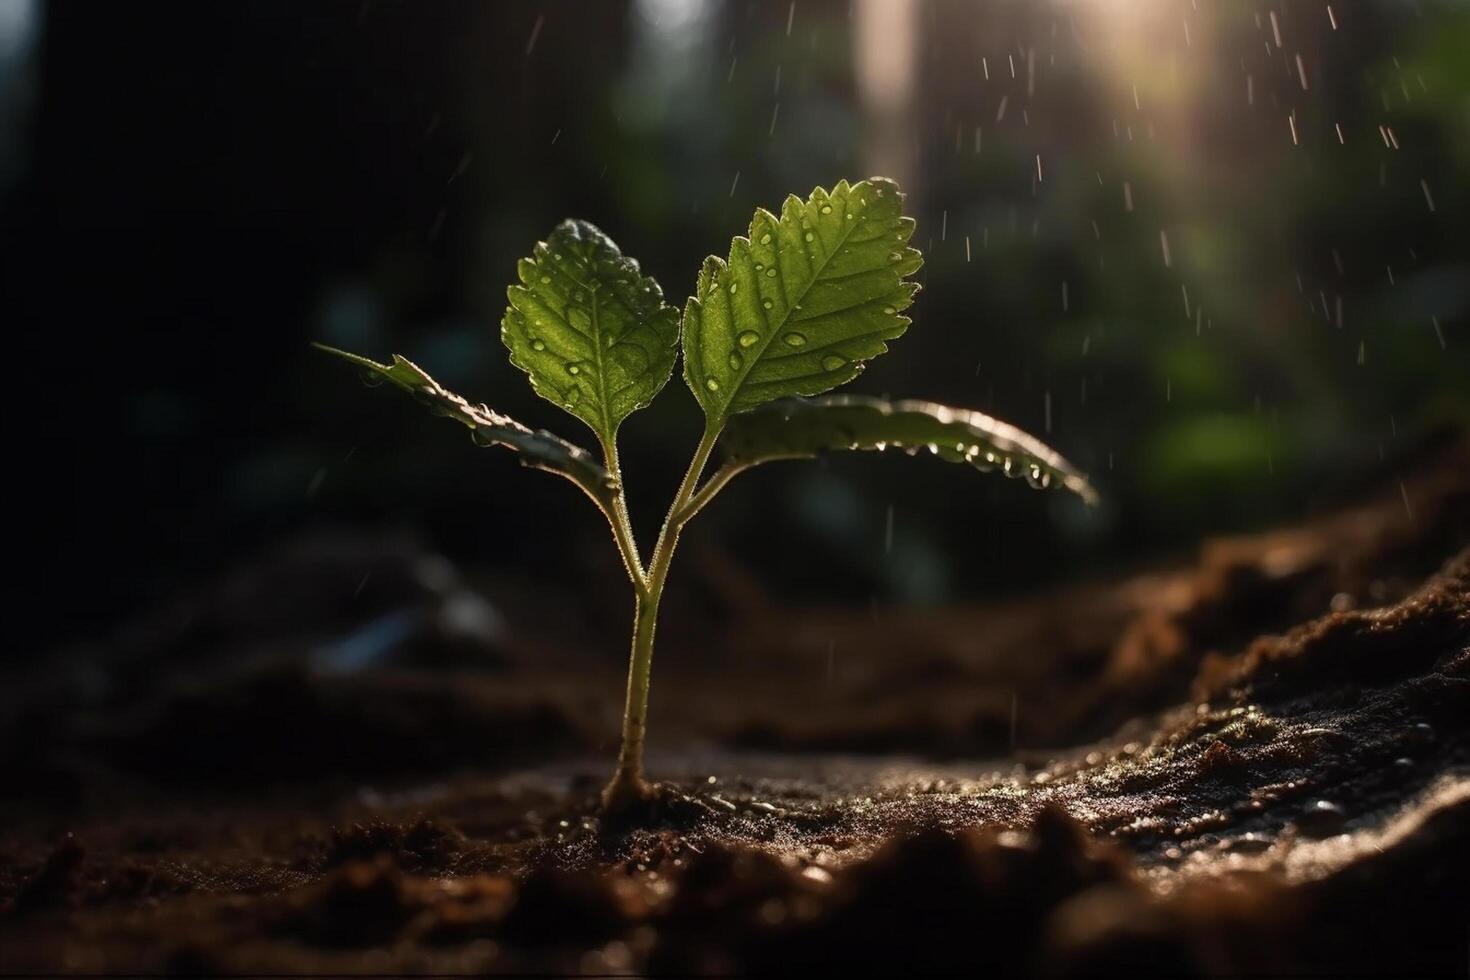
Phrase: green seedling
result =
(798, 308)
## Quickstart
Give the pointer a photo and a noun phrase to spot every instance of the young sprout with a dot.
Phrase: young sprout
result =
(798, 308)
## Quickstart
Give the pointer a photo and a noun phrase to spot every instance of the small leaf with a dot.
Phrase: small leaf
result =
(539, 449)
(803, 303)
(593, 334)
(800, 428)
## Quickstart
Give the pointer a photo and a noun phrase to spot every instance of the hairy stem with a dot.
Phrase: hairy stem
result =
(627, 786)
(617, 519)
(712, 486)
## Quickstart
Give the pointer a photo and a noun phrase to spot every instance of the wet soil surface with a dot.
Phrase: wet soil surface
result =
(1255, 762)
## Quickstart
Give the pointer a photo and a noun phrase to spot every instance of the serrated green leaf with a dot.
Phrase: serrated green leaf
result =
(800, 428)
(591, 331)
(538, 449)
(801, 305)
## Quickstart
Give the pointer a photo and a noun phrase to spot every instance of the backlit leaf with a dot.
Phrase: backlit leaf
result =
(800, 428)
(538, 449)
(801, 305)
(591, 331)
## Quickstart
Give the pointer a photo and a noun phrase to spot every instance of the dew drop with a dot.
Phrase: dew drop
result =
(483, 437)
(794, 339)
(889, 310)
(849, 216)
(766, 238)
(759, 266)
(810, 236)
(771, 272)
(749, 338)
(579, 318)
(826, 209)
(545, 280)
(538, 344)
(630, 357)
(371, 378)
(712, 384)
(832, 362)
(736, 361)
(734, 287)
(766, 303)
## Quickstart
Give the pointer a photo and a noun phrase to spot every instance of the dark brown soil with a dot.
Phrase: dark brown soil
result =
(1257, 763)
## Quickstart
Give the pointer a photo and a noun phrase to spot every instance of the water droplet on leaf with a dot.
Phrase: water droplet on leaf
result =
(795, 339)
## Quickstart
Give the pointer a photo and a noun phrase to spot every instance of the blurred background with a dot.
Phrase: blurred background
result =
(1215, 253)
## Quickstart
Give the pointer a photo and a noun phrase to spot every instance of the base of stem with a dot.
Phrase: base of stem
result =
(626, 794)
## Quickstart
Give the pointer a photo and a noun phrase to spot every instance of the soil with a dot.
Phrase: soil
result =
(1257, 761)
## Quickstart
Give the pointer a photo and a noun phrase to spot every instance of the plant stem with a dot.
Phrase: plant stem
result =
(627, 786)
(712, 486)
(617, 519)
